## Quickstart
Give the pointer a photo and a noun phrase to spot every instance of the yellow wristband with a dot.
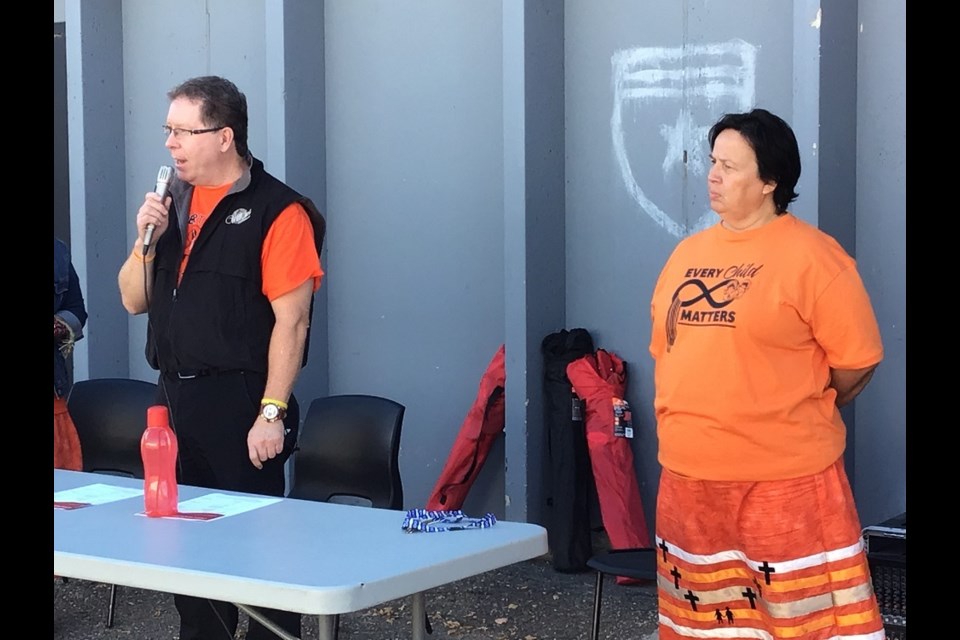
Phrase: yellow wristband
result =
(139, 256)
(279, 403)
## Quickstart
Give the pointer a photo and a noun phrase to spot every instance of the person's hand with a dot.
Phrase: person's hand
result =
(153, 211)
(61, 330)
(264, 441)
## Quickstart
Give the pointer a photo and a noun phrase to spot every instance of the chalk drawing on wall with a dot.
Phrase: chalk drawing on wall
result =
(704, 82)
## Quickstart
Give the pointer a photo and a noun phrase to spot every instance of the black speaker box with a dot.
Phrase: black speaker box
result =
(887, 556)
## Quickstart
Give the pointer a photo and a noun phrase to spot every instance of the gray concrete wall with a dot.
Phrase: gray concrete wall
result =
(492, 172)
(880, 476)
(61, 165)
(415, 209)
(96, 130)
(534, 238)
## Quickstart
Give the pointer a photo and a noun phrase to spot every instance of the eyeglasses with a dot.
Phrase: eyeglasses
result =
(185, 133)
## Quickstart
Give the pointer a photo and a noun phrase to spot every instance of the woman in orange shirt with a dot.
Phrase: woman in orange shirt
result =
(762, 329)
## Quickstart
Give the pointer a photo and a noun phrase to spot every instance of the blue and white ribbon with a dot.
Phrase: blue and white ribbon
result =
(431, 521)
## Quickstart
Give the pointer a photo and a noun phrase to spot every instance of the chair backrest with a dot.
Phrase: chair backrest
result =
(110, 415)
(349, 452)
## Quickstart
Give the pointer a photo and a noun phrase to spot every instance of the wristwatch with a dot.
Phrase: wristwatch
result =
(272, 412)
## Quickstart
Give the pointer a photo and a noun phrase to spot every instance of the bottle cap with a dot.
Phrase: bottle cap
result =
(158, 416)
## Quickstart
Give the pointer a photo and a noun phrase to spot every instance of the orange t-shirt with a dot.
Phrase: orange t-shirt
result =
(746, 327)
(289, 256)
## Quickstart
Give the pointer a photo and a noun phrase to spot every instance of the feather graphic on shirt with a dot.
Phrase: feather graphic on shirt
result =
(673, 315)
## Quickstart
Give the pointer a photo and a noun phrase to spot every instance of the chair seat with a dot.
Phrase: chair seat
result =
(640, 564)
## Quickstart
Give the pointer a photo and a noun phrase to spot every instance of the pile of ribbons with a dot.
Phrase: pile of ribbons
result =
(432, 521)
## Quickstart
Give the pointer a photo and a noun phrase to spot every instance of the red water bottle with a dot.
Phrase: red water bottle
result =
(158, 448)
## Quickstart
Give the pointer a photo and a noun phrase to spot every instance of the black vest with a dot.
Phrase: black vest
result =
(218, 318)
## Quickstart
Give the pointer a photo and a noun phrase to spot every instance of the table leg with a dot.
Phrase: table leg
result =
(418, 610)
(328, 627)
(269, 624)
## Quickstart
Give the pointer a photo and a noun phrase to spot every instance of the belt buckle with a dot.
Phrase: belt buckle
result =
(188, 375)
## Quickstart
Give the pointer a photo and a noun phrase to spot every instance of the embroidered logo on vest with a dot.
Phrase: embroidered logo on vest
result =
(239, 216)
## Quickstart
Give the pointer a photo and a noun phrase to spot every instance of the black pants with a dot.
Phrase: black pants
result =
(211, 415)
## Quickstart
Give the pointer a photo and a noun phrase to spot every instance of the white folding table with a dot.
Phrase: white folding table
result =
(295, 555)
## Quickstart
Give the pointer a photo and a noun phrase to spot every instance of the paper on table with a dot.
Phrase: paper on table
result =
(92, 494)
(214, 506)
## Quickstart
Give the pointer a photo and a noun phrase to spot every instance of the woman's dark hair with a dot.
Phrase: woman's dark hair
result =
(222, 104)
(775, 145)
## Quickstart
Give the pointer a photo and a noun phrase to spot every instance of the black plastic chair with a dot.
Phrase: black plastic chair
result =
(110, 415)
(349, 453)
(639, 564)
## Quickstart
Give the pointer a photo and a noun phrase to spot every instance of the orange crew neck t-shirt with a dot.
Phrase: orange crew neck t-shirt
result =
(746, 327)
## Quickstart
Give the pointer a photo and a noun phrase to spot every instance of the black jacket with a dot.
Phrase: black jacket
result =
(218, 318)
(69, 306)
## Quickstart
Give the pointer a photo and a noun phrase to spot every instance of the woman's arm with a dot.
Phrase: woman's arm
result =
(72, 311)
(850, 382)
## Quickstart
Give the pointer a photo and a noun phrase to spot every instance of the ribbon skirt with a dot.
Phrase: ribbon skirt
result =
(66, 442)
(765, 560)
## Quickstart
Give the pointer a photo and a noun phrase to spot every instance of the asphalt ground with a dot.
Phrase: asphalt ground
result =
(524, 601)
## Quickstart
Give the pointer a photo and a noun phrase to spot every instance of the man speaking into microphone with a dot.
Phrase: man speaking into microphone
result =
(226, 262)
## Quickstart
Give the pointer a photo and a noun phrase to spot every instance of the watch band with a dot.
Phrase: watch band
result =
(279, 403)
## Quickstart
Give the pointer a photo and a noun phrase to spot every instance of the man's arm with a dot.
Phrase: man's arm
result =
(850, 382)
(292, 312)
(136, 279)
(136, 287)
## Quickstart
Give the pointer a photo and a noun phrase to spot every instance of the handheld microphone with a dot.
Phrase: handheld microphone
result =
(163, 184)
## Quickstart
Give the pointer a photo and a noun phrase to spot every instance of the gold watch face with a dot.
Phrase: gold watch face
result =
(270, 412)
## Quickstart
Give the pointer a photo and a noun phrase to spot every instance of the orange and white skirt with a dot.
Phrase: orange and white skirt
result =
(764, 560)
